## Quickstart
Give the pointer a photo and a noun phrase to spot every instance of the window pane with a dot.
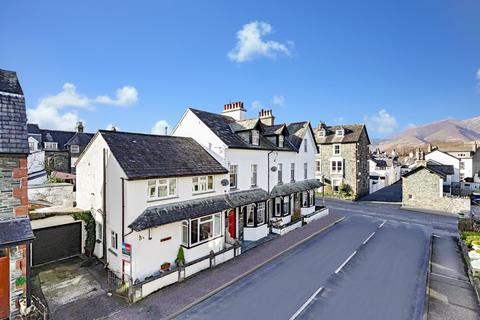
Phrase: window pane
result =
(206, 229)
(172, 187)
(194, 231)
(162, 190)
(151, 189)
(250, 215)
(261, 213)
(217, 224)
(210, 182)
(185, 233)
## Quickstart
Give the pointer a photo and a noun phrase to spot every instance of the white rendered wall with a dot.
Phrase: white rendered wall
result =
(447, 159)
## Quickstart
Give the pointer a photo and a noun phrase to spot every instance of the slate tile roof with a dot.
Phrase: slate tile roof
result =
(293, 187)
(9, 82)
(13, 118)
(440, 170)
(352, 133)
(143, 156)
(244, 197)
(63, 138)
(15, 230)
(226, 129)
(80, 138)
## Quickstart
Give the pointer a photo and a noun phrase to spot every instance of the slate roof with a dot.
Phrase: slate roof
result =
(15, 230)
(439, 170)
(13, 117)
(9, 82)
(226, 129)
(80, 138)
(189, 209)
(352, 134)
(292, 187)
(244, 197)
(143, 156)
(276, 130)
(168, 213)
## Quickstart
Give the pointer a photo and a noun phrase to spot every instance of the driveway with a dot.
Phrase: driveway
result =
(70, 284)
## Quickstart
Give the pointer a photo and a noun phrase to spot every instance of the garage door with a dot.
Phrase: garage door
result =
(54, 243)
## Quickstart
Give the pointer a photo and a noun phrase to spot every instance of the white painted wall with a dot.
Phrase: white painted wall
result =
(59, 194)
(254, 234)
(446, 159)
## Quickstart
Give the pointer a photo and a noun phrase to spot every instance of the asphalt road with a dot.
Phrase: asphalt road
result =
(364, 268)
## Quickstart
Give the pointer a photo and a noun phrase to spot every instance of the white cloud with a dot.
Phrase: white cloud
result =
(251, 45)
(159, 127)
(256, 105)
(381, 122)
(47, 113)
(125, 96)
(278, 100)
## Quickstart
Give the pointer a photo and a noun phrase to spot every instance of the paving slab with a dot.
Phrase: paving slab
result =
(451, 295)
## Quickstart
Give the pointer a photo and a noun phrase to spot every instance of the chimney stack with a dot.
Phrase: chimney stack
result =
(266, 117)
(234, 110)
(474, 146)
(79, 127)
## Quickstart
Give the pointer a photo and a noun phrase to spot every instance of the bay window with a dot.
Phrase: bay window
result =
(202, 184)
(162, 188)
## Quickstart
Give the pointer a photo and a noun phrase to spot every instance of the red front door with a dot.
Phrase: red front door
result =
(4, 287)
(232, 226)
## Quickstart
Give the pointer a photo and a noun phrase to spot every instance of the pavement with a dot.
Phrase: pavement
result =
(451, 295)
(364, 268)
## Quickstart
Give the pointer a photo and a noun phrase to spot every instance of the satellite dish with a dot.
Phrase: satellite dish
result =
(225, 182)
(273, 169)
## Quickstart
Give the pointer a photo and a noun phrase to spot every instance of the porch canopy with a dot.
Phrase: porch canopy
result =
(178, 211)
(241, 198)
(14, 231)
(294, 187)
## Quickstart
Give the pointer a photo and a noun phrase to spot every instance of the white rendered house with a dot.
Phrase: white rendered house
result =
(263, 157)
(383, 171)
(152, 194)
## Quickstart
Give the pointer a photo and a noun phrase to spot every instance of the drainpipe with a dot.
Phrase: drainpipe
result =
(104, 206)
(28, 274)
(123, 222)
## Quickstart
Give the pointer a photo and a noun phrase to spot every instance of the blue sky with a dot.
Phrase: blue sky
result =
(133, 63)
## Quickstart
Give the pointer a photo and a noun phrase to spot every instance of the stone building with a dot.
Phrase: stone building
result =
(427, 187)
(15, 229)
(343, 153)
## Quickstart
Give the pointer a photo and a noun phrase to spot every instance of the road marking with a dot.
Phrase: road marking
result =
(384, 221)
(345, 262)
(296, 314)
(364, 242)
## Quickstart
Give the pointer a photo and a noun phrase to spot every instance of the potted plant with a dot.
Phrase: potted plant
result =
(180, 261)
(165, 266)
(20, 281)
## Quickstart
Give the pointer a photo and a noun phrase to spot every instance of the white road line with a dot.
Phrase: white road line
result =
(345, 262)
(364, 242)
(296, 314)
(382, 224)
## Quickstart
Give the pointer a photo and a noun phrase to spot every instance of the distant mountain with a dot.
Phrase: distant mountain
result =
(444, 131)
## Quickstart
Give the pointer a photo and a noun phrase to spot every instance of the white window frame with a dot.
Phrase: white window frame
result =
(216, 230)
(261, 212)
(203, 184)
(280, 173)
(154, 185)
(113, 240)
(321, 133)
(255, 137)
(75, 148)
(281, 141)
(50, 145)
(250, 211)
(254, 173)
(318, 166)
(339, 149)
(185, 228)
(292, 171)
(334, 164)
(233, 176)
(305, 145)
(340, 133)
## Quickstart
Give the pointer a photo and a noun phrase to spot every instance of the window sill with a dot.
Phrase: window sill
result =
(163, 198)
(233, 188)
(112, 252)
(202, 192)
(200, 243)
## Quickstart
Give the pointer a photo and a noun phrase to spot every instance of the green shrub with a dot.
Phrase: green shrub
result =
(180, 256)
(465, 234)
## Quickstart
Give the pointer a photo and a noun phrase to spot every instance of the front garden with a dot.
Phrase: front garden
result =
(469, 231)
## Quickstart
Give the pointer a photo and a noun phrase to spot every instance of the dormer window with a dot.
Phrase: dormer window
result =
(255, 137)
(281, 140)
(51, 145)
(340, 133)
(75, 148)
(321, 133)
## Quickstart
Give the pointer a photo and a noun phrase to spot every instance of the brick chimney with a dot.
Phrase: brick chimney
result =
(266, 117)
(234, 110)
(79, 127)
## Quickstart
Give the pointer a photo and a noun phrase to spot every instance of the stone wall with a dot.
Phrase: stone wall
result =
(13, 186)
(59, 194)
(424, 190)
